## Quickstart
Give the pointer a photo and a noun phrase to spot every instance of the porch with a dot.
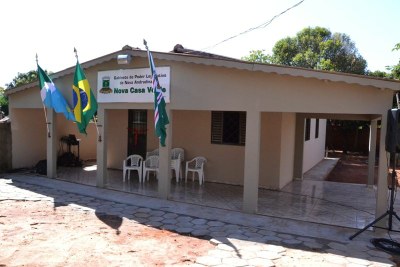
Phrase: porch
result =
(310, 199)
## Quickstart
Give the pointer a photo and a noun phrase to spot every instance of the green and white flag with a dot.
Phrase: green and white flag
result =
(160, 114)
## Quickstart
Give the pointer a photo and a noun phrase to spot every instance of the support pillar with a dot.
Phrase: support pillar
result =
(252, 161)
(382, 190)
(372, 152)
(101, 153)
(164, 175)
(299, 147)
(51, 144)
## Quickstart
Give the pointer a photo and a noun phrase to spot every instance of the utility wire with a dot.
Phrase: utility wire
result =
(265, 24)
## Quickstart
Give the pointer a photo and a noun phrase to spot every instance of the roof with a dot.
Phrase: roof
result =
(181, 50)
(181, 54)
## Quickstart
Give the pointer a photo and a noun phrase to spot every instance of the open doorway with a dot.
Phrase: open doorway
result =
(137, 132)
(348, 141)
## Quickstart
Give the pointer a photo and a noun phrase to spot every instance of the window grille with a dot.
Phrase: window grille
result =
(228, 127)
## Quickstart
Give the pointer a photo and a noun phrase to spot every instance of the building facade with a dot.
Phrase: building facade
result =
(258, 125)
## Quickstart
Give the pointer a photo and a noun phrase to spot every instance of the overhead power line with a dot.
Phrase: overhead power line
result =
(265, 24)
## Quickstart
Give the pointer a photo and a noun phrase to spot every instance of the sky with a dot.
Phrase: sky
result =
(53, 28)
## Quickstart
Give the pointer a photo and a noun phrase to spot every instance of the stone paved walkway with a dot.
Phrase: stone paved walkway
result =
(235, 244)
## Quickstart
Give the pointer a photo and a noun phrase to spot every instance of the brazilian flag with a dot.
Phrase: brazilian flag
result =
(85, 104)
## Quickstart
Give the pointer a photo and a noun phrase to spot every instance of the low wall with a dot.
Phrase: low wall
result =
(5, 147)
(349, 140)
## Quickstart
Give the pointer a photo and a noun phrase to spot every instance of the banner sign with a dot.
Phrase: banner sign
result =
(131, 85)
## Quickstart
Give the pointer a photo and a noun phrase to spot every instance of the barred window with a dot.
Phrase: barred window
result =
(228, 127)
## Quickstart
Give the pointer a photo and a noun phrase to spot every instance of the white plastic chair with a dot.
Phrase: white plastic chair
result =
(176, 166)
(177, 157)
(196, 165)
(150, 164)
(154, 152)
(133, 162)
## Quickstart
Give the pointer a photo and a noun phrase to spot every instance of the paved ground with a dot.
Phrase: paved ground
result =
(64, 224)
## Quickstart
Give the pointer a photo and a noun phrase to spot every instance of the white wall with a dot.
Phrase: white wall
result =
(314, 149)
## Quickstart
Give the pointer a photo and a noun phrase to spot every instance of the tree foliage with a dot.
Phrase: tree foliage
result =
(392, 72)
(257, 56)
(378, 74)
(395, 70)
(3, 102)
(316, 48)
(23, 78)
(20, 79)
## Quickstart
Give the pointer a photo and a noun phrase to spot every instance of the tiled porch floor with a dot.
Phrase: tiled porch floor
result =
(313, 200)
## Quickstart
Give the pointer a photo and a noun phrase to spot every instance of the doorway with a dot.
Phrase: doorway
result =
(137, 132)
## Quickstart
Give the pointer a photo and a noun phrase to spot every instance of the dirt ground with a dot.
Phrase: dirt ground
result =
(351, 168)
(34, 233)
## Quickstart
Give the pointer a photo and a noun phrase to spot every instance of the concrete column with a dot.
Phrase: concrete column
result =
(52, 144)
(164, 175)
(372, 152)
(299, 147)
(382, 192)
(101, 153)
(252, 161)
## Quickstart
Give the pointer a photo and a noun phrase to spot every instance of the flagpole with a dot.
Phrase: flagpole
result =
(44, 108)
(148, 51)
(94, 119)
(160, 115)
(47, 122)
(76, 54)
(97, 128)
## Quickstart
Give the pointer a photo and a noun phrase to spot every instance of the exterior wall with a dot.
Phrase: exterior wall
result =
(223, 87)
(270, 151)
(277, 149)
(117, 132)
(26, 99)
(314, 149)
(198, 89)
(29, 124)
(87, 143)
(287, 149)
(192, 132)
(29, 136)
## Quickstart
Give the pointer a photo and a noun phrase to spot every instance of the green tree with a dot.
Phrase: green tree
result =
(317, 48)
(23, 78)
(257, 56)
(3, 102)
(395, 70)
(20, 79)
(379, 74)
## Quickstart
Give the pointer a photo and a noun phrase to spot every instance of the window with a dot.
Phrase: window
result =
(316, 128)
(307, 133)
(228, 127)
